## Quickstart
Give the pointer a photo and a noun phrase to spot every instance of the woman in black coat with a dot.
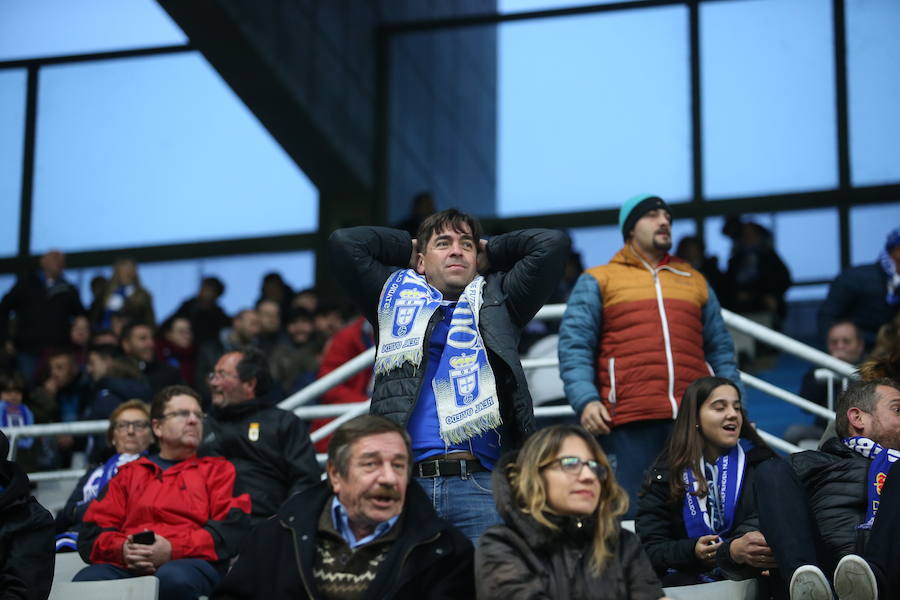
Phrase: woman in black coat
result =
(561, 535)
(697, 514)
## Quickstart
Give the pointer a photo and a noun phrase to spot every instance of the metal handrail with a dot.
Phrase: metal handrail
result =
(788, 344)
(827, 376)
(330, 380)
(787, 396)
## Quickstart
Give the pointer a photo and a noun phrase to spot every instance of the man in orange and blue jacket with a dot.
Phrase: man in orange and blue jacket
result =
(636, 332)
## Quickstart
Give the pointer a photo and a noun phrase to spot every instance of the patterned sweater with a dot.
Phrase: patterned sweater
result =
(341, 573)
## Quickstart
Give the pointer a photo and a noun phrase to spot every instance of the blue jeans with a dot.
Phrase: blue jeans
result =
(182, 579)
(465, 501)
(636, 446)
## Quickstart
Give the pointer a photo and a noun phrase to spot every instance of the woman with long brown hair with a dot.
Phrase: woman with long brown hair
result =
(561, 538)
(698, 516)
(681, 524)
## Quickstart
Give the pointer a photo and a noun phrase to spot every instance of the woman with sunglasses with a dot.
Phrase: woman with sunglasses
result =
(129, 437)
(561, 538)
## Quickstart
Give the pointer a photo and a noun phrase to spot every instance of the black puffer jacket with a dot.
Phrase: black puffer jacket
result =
(525, 268)
(526, 560)
(27, 547)
(835, 479)
(429, 560)
(270, 450)
(660, 523)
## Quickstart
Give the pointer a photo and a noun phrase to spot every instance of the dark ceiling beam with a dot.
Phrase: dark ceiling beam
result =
(236, 57)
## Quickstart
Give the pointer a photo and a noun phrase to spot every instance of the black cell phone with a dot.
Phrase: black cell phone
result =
(145, 537)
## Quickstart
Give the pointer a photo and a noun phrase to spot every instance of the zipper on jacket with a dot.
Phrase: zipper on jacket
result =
(612, 383)
(297, 558)
(413, 547)
(670, 363)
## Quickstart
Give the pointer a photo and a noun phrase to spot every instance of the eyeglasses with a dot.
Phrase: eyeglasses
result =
(572, 465)
(184, 414)
(220, 375)
(138, 425)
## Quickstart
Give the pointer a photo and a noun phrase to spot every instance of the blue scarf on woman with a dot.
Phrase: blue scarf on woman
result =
(730, 477)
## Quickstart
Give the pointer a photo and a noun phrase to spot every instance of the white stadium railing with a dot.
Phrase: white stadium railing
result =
(299, 402)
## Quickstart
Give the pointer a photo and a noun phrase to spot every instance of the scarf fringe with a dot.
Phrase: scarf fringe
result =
(395, 361)
(465, 431)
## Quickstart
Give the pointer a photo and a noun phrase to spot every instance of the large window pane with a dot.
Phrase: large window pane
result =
(768, 97)
(157, 150)
(873, 53)
(592, 110)
(39, 28)
(12, 124)
(807, 241)
(869, 226)
(173, 282)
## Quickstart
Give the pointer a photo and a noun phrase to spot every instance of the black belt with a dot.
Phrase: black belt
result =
(442, 467)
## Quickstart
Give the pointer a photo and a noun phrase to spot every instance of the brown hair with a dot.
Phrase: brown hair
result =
(451, 218)
(528, 486)
(346, 435)
(859, 394)
(128, 404)
(685, 445)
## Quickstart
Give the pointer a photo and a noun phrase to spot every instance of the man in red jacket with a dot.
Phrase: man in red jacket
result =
(187, 503)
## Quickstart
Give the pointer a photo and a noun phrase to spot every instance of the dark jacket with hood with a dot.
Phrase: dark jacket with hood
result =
(835, 479)
(27, 546)
(269, 447)
(430, 559)
(525, 268)
(660, 523)
(526, 560)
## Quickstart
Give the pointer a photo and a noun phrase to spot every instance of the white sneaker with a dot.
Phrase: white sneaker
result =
(808, 583)
(854, 580)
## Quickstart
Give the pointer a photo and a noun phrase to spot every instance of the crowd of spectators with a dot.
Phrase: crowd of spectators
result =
(62, 362)
(196, 452)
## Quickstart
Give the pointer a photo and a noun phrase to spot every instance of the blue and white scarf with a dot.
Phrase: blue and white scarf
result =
(67, 541)
(464, 388)
(882, 460)
(730, 469)
(100, 477)
(17, 415)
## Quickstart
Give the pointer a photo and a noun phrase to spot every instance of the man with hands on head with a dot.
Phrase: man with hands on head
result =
(172, 514)
(448, 309)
